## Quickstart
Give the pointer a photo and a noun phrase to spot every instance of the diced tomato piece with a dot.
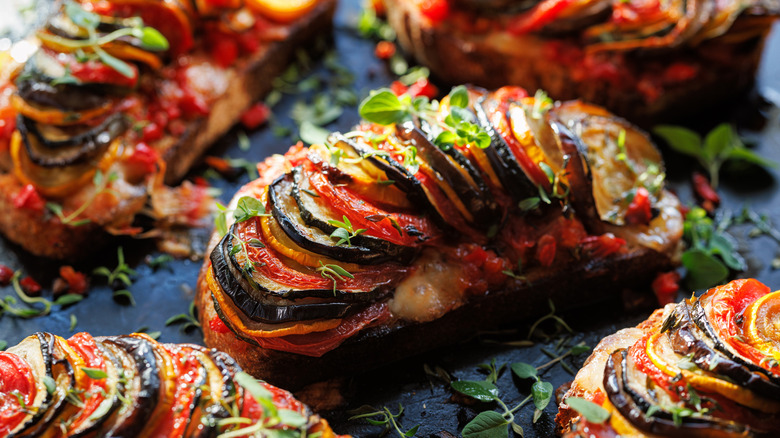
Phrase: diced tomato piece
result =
(665, 285)
(255, 116)
(435, 10)
(398, 88)
(193, 105)
(30, 286)
(707, 195)
(224, 50)
(602, 246)
(97, 72)
(151, 132)
(639, 211)
(423, 87)
(218, 326)
(29, 198)
(546, 249)
(77, 281)
(679, 72)
(143, 158)
(384, 50)
(538, 17)
(6, 274)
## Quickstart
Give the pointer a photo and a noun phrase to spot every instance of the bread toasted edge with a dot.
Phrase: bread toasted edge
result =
(568, 287)
(44, 235)
(521, 63)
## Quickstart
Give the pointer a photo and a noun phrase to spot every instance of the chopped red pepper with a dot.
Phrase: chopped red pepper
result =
(398, 88)
(255, 116)
(224, 50)
(665, 285)
(29, 198)
(639, 211)
(152, 132)
(218, 326)
(384, 50)
(704, 192)
(193, 105)
(538, 17)
(435, 10)
(602, 246)
(545, 250)
(423, 87)
(6, 274)
(77, 281)
(30, 286)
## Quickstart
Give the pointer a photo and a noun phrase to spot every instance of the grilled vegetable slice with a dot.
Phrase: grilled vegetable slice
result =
(25, 370)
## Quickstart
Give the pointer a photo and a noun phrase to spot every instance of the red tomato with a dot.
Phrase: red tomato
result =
(638, 353)
(602, 246)
(384, 50)
(318, 343)
(665, 285)
(95, 71)
(639, 211)
(704, 191)
(545, 250)
(423, 87)
(398, 88)
(143, 159)
(218, 326)
(187, 369)
(6, 274)
(16, 379)
(29, 198)
(435, 10)
(224, 49)
(77, 281)
(538, 17)
(30, 286)
(255, 116)
(94, 392)
(282, 400)
(152, 132)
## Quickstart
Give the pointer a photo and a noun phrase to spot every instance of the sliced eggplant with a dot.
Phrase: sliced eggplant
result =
(688, 339)
(471, 195)
(140, 385)
(634, 406)
(287, 214)
(262, 304)
(36, 351)
(52, 147)
(513, 180)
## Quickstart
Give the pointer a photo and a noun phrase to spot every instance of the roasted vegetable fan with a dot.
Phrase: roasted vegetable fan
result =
(499, 198)
(122, 96)
(643, 59)
(706, 367)
(133, 386)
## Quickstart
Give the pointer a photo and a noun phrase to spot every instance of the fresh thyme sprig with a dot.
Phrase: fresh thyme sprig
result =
(344, 231)
(333, 272)
(102, 185)
(119, 278)
(384, 417)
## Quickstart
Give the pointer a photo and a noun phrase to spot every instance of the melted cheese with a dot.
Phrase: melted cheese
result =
(435, 287)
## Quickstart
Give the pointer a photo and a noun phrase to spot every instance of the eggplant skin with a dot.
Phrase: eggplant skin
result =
(714, 393)
(141, 377)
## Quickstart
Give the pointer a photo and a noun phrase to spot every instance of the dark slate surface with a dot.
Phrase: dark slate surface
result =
(167, 291)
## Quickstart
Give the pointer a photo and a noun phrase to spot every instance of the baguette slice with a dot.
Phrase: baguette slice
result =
(320, 305)
(704, 367)
(27, 222)
(657, 78)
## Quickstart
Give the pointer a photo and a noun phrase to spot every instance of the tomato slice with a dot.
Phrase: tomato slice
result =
(189, 376)
(17, 383)
(542, 14)
(724, 307)
(271, 266)
(318, 343)
(638, 353)
(347, 203)
(95, 389)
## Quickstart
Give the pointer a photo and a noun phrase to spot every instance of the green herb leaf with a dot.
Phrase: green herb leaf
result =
(459, 97)
(117, 64)
(152, 39)
(248, 208)
(488, 424)
(680, 139)
(478, 389)
(291, 418)
(382, 107)
(541, 392)
(591, 411)
(313, 134)
(254, 387)
(704, 270)
(126, 294)
(3, 344)
(50, 384)
(81, 17)
(94, 373)
(64, 300)
(579, 349)
(524, 370)
(73, 322)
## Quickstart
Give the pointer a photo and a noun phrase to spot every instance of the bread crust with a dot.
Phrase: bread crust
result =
(44, 235)
(593, 281)
(499, 59)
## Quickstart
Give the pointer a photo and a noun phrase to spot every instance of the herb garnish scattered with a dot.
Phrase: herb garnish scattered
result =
(73, 322)
(383, 417)
(711, 250)
(592, 412)
(333, 272)
(188, 320)
(119, 277)
(463, 129)
(94, 373)
(719, 145)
